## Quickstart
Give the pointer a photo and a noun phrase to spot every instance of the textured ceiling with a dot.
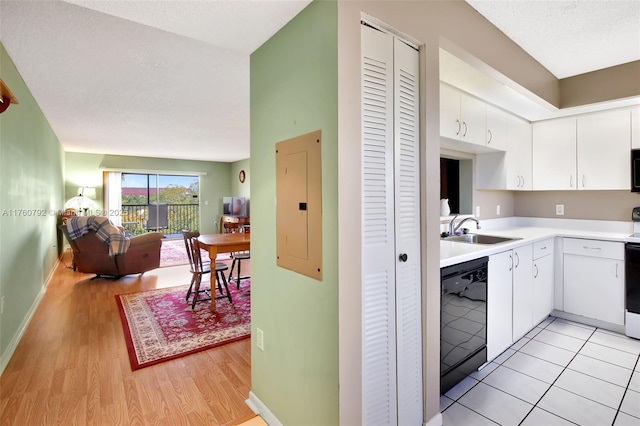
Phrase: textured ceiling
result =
(154, 79)
(569, 37)
(171, 78)
(240, 25)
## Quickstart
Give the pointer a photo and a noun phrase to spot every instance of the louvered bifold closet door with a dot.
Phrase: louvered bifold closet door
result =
(378, 250)
(407, 233)
(392, 351)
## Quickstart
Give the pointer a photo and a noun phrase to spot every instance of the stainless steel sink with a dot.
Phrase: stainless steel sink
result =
(479, 239)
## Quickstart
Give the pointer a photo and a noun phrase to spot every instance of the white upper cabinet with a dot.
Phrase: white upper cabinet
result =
(511, 169)
(496, 133)
(518, 156)
(587, 152)
(554, 154)
(450, 125)
(473, 115)
(462, 117)
(604, 143)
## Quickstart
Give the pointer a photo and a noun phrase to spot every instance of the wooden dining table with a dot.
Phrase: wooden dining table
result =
(223, 243)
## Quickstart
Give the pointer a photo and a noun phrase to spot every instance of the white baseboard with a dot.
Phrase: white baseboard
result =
(52, 271)
(13, 344)
(259, 408)
(616, 328)
(435, 420)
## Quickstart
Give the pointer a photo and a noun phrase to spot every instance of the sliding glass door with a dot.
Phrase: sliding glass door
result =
(160, 203)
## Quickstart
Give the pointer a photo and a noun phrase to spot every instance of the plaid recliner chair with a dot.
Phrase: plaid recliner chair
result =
(101, 248)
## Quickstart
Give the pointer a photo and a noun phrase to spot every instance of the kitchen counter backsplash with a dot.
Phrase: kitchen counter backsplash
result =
(617, 227)
(529, 230)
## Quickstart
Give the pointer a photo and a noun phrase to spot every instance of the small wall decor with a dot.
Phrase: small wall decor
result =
(6, 97)
(241, 176)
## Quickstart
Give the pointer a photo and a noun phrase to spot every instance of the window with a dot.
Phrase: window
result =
(155, 202)
(142, 189)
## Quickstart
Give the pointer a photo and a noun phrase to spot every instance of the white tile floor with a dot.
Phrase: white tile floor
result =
(560, 373)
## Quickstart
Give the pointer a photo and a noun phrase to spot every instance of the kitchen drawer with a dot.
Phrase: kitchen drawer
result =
(594, 248)
(542, 248)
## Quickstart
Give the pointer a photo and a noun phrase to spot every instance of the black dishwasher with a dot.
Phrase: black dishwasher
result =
(463, 321)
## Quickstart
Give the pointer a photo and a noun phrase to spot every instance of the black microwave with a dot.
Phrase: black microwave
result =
(635, 170)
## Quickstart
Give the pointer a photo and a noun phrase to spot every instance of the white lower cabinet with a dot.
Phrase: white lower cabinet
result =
(543, 282)
(509, 298)
(594, 279)
(499, 307)
(522, 291)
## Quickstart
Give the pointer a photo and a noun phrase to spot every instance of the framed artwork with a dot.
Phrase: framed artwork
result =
(241, 176)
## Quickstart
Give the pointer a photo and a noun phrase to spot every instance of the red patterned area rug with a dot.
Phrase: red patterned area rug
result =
(160, 325)
(174, 253)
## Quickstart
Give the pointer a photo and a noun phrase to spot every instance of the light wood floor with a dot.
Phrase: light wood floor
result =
(71, 367)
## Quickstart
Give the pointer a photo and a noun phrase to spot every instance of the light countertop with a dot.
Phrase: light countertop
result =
(529, 231)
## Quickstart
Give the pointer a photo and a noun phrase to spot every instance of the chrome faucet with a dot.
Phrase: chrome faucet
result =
(453, 227)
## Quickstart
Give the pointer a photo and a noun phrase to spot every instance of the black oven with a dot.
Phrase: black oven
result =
(635, 170)
(463, 321)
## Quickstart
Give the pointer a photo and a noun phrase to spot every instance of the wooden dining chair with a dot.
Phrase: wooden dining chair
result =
(200, 268)
(231, 228)
(238, 257)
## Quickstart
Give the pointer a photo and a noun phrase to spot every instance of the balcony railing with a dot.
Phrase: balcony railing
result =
(179, 217)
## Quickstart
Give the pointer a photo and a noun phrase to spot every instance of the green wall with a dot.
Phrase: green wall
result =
(31, 178)
(215, 181)
(294, 90)
(240, 189)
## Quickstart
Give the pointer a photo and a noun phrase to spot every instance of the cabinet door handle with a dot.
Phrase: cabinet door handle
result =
(510, 263)
(490, 135)
(517, 260)
(459, 127)
(571, 181)
(616, 270)
(536, 274)
(522, 186)
(464, 123)
(591, 248)
(583, 181)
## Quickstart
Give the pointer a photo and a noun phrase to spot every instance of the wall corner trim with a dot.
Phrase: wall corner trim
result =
(258, 407)
(435, 420)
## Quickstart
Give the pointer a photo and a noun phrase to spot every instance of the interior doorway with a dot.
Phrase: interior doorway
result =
(456, 183)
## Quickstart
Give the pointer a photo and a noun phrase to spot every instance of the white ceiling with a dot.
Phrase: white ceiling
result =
(569, 37)
(165, 79)
(170, 79)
